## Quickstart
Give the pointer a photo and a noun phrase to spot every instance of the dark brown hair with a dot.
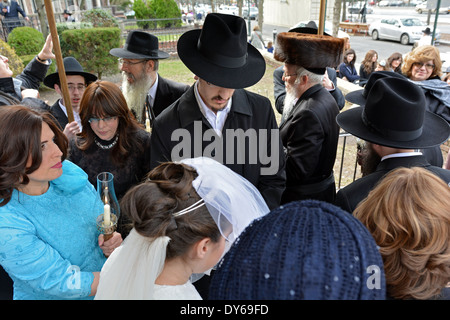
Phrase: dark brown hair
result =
(350, 51)
(20, 139)
(105, 99)
(395, 56)
(151, 205)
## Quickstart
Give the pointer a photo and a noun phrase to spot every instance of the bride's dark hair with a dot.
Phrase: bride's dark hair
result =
(151, 204)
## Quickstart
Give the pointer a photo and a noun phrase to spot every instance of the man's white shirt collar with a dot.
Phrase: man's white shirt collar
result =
(217, 121)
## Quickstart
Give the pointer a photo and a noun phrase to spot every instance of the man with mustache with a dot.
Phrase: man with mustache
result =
(146, 92)
(218, 117)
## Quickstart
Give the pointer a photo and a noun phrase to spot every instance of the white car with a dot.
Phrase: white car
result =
(423, 8)
(406, 30)
(328, 28)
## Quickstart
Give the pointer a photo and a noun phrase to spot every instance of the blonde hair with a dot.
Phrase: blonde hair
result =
(423, 54)
(408, 214)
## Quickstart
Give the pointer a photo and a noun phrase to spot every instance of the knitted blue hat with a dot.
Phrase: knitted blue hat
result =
(308, 250)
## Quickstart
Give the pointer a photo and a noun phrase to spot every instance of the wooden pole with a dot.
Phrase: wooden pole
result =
(321, 28)
(59, 59)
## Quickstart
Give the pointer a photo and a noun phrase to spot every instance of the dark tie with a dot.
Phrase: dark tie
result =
(150, 114)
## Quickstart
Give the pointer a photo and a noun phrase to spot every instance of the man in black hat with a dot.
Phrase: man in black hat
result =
(68, 16)
(216, 117)
(146, 92)
(309, 131)
(426, 38)
(329, 79)
(394, 123)
(77, 81)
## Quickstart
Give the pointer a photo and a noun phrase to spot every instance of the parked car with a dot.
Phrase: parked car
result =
(253, 13)
(422, 7)
(405, 29)
(356, 9)
(328, 28)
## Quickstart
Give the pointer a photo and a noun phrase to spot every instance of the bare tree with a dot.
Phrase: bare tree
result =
(336, 16)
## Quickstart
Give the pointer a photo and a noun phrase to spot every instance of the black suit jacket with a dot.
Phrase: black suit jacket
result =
(168, 92)
(248, 111)
(349, 197)
(59, 115)
(310, 137)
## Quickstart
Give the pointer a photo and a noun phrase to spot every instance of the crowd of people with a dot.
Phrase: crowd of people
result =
(218, 200)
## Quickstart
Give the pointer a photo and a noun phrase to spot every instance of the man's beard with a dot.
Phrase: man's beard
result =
(289, 103)
(368, 158)
(135, 93)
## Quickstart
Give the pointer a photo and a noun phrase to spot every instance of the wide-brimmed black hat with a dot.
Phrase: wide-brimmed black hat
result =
(427, 30)
(67, 12)
(395, 116)
(140, 45)
(71, 67)
(309, 28)
(360, 96)
(220, 54)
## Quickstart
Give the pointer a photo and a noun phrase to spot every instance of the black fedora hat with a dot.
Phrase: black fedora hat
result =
(220, 54)
(395, 116)
(360, 96)
(309, 28)
(71, 67)
(140, 45)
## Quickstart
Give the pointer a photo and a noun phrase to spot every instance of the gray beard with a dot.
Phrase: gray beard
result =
(288, 104)
(136, 93)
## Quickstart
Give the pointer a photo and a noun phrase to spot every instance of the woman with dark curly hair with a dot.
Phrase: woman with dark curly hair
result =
(111, 140)
(408, 216)
(49, 243)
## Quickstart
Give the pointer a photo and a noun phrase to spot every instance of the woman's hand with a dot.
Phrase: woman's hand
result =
(109, 246)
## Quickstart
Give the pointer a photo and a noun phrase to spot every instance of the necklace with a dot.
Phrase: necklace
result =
(109, 146)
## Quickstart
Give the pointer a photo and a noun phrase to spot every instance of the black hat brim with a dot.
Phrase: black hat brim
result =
(435, 130)
(125, 54)
(234, 78)
(356, 97)
(53, 78)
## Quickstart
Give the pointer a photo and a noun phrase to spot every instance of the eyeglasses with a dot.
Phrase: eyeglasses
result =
(105, 120)
(80, 87)
(285, 75)
(129, 63)
(421, 64)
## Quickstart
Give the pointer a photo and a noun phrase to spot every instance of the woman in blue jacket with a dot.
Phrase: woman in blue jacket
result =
(347, 70)
(49, 243)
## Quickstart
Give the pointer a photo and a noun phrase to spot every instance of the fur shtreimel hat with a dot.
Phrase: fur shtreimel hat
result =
(311, 51)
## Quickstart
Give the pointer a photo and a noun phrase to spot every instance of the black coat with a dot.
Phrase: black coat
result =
(59, 115)
(349, 197)
(310, 136)
(248, 111)
(30, 78)
(168, 92)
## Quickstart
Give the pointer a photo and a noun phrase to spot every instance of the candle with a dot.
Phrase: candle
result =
(107, 215)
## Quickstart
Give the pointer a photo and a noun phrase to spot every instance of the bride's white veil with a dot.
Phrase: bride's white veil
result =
(233, 202)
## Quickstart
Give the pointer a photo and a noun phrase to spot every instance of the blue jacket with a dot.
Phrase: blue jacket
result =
(349, 72)
(48, 243)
